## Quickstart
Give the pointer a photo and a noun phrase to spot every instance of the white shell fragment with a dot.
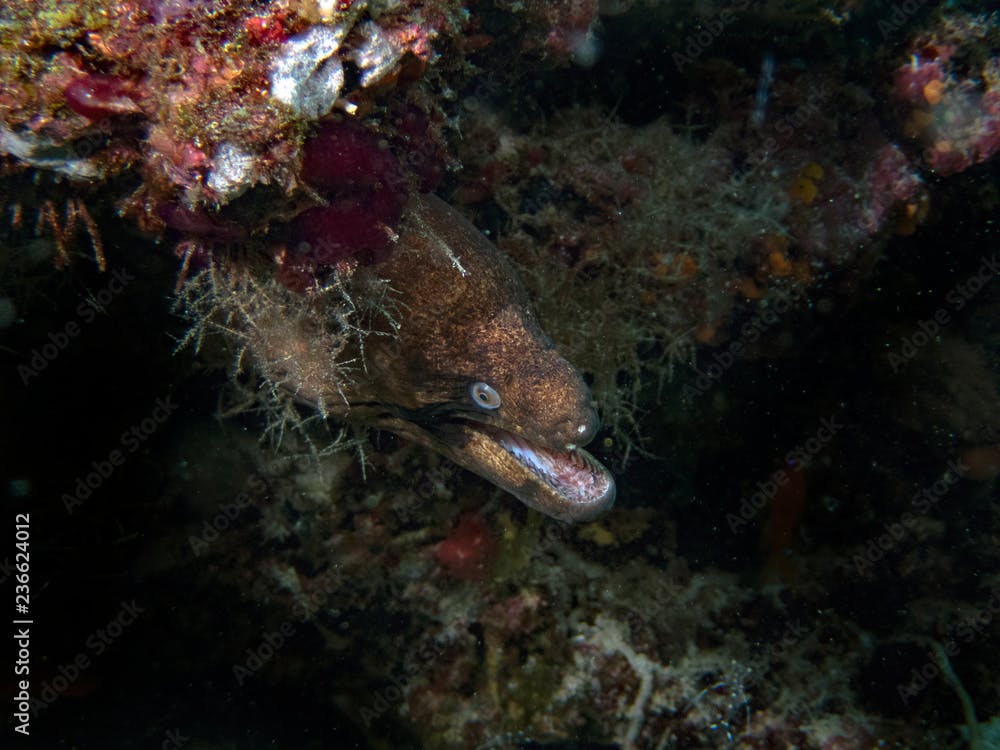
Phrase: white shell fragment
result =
(43, 153)
(328, 10)
(232, 172)
(307, 75)
(377, 56)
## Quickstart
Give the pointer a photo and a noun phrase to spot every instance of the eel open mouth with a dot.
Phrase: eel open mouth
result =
(569, 485)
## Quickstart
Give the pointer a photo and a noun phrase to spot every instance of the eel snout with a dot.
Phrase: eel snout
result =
(569, 485)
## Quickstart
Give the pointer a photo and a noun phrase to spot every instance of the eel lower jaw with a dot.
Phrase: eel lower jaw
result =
(568, 485)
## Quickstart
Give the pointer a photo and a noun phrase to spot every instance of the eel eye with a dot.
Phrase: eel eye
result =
(485, 396)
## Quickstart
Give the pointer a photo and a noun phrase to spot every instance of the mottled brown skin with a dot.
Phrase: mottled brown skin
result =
(464, 318)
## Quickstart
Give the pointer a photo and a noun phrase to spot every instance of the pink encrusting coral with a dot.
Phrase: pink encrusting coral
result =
(98, 97)
(360, 175)
(469, 550)
(891, 182)
(353, 169)
(950, 92)
(920, 81)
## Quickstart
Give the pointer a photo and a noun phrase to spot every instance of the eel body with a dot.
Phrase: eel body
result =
(465, 369)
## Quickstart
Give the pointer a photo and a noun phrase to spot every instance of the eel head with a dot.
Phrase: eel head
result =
(467, 370)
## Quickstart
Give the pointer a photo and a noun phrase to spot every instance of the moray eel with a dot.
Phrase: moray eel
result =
(467, 371)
